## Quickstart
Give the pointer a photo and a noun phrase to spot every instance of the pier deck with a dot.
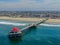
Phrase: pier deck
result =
(33, 25)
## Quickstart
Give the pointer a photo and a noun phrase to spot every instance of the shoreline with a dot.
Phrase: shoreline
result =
(53, 21)
(31, 19)
(22, 19)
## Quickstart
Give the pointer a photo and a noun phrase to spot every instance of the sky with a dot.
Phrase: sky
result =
(29, 5)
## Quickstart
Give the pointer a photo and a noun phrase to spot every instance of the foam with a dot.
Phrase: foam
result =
(54, 25)
(24, 24)
(11, 23)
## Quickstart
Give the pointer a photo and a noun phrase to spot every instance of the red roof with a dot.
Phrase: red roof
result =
(15, 29)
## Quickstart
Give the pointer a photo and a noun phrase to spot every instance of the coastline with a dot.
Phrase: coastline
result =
(53, 21)
(32, 19)
(22, 19)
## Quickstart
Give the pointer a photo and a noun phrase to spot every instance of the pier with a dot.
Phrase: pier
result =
(34, 25)
(19, 33)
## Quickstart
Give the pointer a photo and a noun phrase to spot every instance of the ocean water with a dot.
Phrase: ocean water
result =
(44, 34)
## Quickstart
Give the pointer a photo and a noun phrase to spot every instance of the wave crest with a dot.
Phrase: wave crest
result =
(54, 25)
(24, 24)
(14, 24)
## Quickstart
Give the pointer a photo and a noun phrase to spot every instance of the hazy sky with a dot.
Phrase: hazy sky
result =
(30, 5)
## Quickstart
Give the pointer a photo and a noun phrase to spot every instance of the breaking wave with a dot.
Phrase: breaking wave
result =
(24, 24)
(14, 24)
(54, 25)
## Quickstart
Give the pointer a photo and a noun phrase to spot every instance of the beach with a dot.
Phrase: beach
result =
(53, 21)
(22, 19)
(32, 19)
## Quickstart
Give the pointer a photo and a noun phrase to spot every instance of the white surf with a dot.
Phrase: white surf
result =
(54, 25)
(12, 23)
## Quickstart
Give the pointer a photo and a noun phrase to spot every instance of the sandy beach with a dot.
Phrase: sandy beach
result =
(32, 19)
(22, 19)
(53, 21)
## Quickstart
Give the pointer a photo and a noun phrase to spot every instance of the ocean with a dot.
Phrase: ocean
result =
(44, 34)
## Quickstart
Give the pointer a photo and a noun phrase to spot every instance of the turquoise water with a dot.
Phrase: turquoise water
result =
(42, 35)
